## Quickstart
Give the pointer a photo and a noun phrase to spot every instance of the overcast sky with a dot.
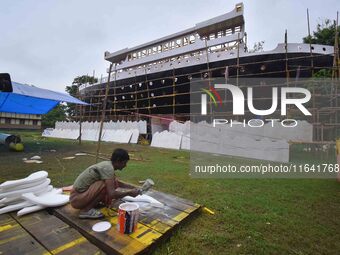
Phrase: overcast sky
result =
(47, 43)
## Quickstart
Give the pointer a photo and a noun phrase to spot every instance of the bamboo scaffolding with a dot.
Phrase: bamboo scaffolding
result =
(134, 106)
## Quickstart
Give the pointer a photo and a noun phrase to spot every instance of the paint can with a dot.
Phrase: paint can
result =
(127, 217)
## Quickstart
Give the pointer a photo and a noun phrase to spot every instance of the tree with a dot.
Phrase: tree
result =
(323, 73)
(58, 113)
(258, 47)
(73, 91)
(84, 79)
(324, 34)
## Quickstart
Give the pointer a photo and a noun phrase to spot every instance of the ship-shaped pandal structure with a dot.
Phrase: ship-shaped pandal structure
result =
(153, 79)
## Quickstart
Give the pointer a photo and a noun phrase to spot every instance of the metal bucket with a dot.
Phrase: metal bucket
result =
(128, 214)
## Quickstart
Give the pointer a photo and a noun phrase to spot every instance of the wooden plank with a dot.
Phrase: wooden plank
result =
(174, 202)
(15, 240)
(55, 235)
(111, 241)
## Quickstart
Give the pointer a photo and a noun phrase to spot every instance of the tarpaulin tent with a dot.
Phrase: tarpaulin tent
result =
(28, 99)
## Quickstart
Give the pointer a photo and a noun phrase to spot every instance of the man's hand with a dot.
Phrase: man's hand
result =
(134, 192)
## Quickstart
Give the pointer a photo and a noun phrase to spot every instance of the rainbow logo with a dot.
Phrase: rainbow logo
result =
(213, 94)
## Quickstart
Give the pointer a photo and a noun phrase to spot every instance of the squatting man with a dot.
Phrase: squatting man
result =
(98, 184)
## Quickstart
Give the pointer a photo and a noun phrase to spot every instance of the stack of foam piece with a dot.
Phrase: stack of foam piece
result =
(30, 194)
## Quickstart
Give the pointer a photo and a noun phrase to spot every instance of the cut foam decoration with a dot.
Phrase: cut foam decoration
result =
(17, 200)
(24, 186)
(17, 197)
(30, 209)
(29, 179)
(143, 198)
(14, 193)
(11, 208)
(35, 208)
(49, 199)
(36, 158)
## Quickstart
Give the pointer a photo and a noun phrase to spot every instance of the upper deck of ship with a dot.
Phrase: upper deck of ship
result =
(215, 32)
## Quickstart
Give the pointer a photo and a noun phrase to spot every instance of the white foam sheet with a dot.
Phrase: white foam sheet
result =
(117, 136)
(185, 143)
(142, 126)
(266, 143)
(135, 136)
(123, 136)
(70, 130)
(166, 139)
(90, 135)
(36, 188)
(49, 199)
(62, 133)
(143, 198)
(221, 141)
(302, 132)
(29, 179)
(180, 128)
(109, 135)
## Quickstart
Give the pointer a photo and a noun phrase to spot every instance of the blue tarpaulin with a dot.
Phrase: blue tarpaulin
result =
(28, 99)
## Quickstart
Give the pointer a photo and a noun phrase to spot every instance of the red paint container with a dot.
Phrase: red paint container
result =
(128, 214)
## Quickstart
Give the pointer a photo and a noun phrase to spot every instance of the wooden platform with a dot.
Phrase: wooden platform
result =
(41, 233)
(60, 231)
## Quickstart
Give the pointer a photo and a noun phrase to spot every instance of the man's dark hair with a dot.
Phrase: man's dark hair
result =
(120, 155)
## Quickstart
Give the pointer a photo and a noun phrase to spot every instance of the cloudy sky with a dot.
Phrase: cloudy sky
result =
(49, 42)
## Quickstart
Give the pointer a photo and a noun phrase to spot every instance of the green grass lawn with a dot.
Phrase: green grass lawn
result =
(252, 216)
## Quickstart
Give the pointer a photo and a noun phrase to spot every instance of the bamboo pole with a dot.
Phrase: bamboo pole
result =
(148, 91)
(80, 116)
(310, 45)
(136, 100)
(238, 58)
(335, 70)
(209, 75)
(148, 133)
(114, 93)
(174, 94)
(103, 112)
(286, 58)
